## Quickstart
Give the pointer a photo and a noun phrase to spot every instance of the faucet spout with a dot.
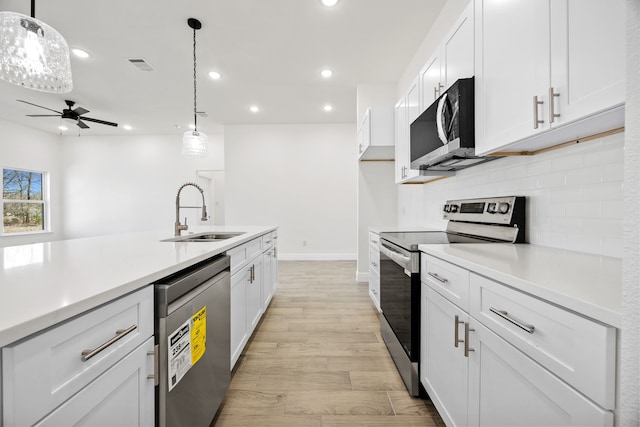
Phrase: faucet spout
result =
(178, 227)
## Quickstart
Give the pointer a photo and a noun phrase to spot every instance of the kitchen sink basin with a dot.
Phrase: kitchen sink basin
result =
(205, 237)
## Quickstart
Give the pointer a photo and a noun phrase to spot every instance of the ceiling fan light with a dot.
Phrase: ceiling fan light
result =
(33, 54)
(195, 144)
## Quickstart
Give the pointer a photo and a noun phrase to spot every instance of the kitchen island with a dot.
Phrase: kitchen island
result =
(43, 284)
(77, 321)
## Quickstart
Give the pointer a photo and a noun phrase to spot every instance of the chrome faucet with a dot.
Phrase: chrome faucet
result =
(179, 227)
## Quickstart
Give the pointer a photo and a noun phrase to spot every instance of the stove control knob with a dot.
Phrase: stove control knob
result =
(503, 207)
(446, 208)
(453, 208)
(492, 208)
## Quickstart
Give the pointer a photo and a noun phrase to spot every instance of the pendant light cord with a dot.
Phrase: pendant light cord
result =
(195, 115)
(33, 8)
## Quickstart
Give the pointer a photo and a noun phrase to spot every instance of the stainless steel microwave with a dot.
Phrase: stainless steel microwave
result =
(443, 136)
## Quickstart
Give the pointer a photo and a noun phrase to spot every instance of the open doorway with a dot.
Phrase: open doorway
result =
(212, 183)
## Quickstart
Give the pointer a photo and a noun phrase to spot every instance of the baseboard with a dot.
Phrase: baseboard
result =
(316, 257)
(362, 277)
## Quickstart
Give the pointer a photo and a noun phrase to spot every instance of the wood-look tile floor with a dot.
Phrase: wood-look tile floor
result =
(317, 359)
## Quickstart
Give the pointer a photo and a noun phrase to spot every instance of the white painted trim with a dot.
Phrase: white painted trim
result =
(362, 277)
(316, 257)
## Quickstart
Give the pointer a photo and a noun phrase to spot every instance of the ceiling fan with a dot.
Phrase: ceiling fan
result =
(70, 113)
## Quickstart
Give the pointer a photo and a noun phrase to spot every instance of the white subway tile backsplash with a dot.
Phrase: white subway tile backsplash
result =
(574, 194)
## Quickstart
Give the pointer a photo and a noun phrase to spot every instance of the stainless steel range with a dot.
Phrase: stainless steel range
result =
(484, 220)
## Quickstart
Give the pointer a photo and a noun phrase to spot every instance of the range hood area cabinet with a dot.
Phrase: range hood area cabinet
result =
(547, 72)
(376, 134)
(453, 59)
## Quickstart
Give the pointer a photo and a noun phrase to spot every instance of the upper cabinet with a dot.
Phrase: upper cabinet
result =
(543, 66)
(376, 134)
(451, 61)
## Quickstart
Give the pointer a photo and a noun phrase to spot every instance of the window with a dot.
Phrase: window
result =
(24, 204)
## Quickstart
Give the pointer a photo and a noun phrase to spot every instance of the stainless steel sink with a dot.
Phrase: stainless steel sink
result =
(205, 237)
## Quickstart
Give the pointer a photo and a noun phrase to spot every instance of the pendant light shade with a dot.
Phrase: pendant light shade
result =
(33, 54)
(194, 142)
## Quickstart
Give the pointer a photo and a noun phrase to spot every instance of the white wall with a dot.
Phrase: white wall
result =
(123, 184)
(574, 194)
(301, 178)
(25, 148)
(630, 358)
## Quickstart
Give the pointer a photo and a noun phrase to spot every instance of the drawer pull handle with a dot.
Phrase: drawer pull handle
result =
(456, 335)
(519, 324)
(438, 278)
(120, 333)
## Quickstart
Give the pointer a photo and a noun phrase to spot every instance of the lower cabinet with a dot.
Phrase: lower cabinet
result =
(511, 359)
(254, 272)
(95, 369)
(374, 269)
(122, 396)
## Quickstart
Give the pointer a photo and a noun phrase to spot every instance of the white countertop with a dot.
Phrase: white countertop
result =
(42, 284)
(587, 284)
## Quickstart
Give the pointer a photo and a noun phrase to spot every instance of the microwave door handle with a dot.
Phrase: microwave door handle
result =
(440, 119)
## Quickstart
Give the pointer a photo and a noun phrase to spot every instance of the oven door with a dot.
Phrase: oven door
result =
(400, 295)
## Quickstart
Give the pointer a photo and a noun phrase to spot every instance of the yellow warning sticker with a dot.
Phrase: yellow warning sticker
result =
(198, 334)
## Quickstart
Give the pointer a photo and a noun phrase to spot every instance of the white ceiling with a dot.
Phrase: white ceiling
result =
(270, 53)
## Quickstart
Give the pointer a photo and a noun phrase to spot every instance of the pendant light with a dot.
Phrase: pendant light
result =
(194, 142)
(33, 54)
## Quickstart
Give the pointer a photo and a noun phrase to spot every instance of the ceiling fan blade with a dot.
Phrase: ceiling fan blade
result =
(39, 106)
(82, 124)
(42, 115)
(102, 122)
(80, 111)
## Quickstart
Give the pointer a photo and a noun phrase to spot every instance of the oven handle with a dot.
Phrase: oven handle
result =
(397, 257)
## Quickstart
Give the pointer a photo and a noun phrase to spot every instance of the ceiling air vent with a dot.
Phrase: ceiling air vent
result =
(141, 64)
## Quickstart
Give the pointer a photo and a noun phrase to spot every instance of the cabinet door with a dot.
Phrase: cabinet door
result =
(506, 388)
(443, 365)
(238, 315)
(122, 396)
(267, 275)
(254, 294)
(512, 66)
(431, 84)
(402, 139)
(274, 270)
(587, 57)
(457, 50)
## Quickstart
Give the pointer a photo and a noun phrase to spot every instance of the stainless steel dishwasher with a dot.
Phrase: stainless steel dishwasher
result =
(192, 329)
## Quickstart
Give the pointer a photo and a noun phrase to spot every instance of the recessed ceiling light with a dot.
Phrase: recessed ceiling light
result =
(254, 108)
(328, 108)
(127, 127)
(215, 75)
(80, 53)
(61, 127)
(329, 3)
(326, 73)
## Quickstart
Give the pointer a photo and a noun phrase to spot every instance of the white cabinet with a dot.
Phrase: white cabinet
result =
(374, 269)
(376, 134)
(122, 396)
(452, 60)
(444, 371)
(81, 370)
(542, 65)
(254, 272)
(510, 358)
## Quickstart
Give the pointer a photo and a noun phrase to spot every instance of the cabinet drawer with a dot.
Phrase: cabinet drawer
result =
(42, 372)
(451, 281)
(269, 240)
(577, 349)
(374, 239)
(374, 259)
(242, 254)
